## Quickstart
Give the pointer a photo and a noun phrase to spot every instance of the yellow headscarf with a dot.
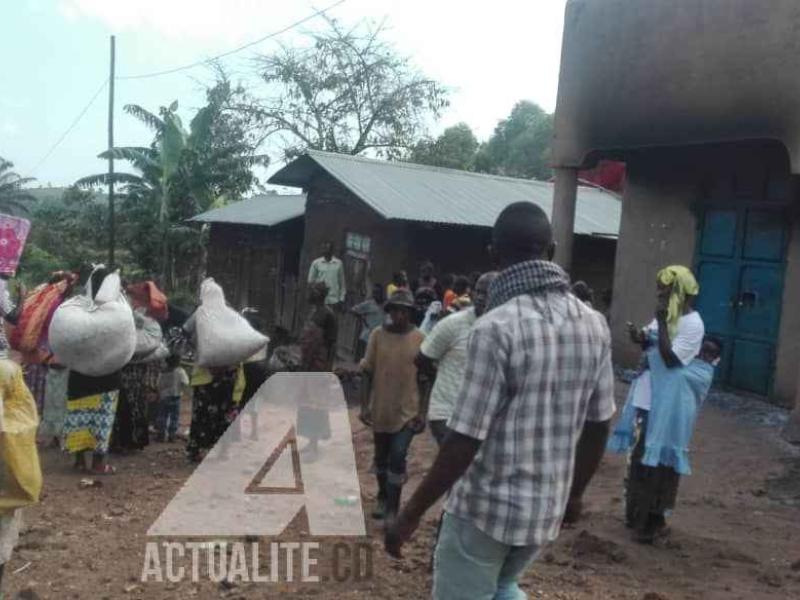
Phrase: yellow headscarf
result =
(683, 284)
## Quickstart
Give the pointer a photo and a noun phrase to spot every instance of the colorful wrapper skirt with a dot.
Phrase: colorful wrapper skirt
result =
(89, 422)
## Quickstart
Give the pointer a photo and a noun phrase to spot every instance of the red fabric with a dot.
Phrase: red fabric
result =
(30, 334)
(147, 296)
(608, 174)
(449, 296)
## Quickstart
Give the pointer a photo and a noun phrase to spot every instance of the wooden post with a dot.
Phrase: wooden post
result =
(565, 194)
(112, 229)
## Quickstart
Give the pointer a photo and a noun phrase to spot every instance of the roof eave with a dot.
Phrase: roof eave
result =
(297, 173)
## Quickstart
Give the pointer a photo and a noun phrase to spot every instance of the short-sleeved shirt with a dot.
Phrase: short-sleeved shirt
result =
(172, 383)
(538, 367)
(394, 399)
(686, 346)
(447, 344)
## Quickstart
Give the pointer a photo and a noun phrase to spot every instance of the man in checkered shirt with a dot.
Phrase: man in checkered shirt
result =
(529, 427)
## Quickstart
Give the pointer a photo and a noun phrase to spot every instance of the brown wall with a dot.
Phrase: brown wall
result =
(643, 73)
(787, 371)
(250, 262)
(658, 228)
(332, 211)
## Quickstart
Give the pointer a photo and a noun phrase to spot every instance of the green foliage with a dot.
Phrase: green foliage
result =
(14, 199)
(181, 174)
(520, 145)
(65, 234)
(346, 91)
(455, 148)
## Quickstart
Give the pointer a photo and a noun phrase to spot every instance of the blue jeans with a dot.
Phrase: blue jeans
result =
(391, 450)
(169, 412)
(470, 564)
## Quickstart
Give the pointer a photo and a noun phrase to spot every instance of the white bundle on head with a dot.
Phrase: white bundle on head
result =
(224, 337)
(94, 337)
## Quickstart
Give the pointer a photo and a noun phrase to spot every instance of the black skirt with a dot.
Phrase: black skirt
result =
(649, 491)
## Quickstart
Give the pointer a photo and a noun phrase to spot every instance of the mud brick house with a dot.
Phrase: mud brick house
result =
(385, 216)
(254, 252)
(700, 99)
(381, 217)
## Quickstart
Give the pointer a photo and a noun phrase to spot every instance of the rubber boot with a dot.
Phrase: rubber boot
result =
(380, 508)
(393, 492)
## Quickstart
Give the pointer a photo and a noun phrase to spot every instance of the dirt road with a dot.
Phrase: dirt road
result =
(736, 532)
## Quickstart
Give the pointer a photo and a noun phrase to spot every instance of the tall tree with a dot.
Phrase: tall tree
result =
(13, 197)
(346, 91)
(183, 172)
(69, 230)
(455, 148)
(520, 144)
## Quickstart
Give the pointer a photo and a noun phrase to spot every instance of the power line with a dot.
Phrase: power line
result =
(71, 127)
(235, 50)
(178, 69)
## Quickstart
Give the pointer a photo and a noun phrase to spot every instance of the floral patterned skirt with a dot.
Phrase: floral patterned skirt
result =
(139, 383)
(213, 410)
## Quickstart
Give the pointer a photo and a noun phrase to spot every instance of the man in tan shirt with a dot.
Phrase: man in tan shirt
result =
(394, 410)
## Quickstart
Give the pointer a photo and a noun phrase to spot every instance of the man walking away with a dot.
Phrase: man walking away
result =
(444, 354)
(530, 425)
(329, 270)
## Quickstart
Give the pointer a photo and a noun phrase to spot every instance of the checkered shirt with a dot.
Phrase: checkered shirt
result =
(538, 367)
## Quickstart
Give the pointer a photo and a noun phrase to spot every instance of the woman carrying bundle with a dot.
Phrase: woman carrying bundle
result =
(216, 396)
(91, 408)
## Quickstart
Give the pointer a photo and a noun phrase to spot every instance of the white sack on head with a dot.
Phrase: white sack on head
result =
(95, 337)
(224, 337)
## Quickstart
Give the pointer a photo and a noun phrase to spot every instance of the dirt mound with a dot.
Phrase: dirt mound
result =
(592, 548)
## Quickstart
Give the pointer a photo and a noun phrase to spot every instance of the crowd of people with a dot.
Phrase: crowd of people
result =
(510, 371)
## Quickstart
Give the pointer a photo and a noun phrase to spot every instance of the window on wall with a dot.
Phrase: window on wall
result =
(358, 243)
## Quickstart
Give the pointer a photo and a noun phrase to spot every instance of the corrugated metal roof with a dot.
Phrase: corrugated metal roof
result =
(411, 192)
(266, 210)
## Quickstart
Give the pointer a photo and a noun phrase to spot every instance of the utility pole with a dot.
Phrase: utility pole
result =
(112, 226)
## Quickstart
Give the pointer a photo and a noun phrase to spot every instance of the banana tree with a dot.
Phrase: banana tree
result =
(13, 197)
(183, 172)
(159, 166)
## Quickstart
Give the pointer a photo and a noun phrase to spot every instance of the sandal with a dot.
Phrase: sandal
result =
(104, 470)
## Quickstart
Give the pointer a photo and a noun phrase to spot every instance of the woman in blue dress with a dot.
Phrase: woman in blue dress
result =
(658, 420)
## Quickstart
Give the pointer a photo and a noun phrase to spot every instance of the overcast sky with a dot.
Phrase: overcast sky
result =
(55, 57)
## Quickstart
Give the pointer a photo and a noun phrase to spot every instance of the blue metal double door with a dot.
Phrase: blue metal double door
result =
(740, 266)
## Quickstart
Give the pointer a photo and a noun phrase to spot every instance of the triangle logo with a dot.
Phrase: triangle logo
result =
(281, 473)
